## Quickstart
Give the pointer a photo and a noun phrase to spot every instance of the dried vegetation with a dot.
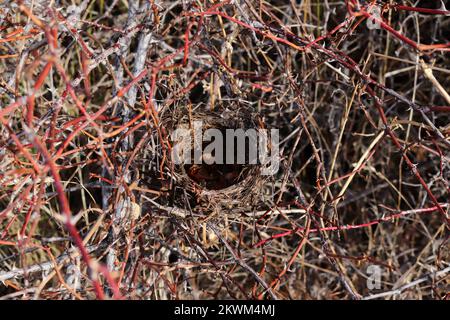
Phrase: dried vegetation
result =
(91, 205)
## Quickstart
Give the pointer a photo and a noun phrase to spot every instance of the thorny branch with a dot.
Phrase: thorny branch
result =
(85, 91)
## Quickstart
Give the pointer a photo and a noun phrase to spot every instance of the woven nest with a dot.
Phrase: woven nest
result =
(225, 185)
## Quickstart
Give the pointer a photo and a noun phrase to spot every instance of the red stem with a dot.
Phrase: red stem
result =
(422, 10)
(348, 227)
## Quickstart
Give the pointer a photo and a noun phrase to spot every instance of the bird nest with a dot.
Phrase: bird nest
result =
(213, 183)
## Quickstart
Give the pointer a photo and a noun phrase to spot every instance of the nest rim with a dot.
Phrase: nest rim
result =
(235, 116)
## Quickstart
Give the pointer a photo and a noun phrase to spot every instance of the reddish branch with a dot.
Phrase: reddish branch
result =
(300, 230)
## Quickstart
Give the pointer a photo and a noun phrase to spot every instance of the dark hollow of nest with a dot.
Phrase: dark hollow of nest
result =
(225, 185)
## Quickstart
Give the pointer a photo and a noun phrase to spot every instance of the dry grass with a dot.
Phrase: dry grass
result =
(92, 206)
